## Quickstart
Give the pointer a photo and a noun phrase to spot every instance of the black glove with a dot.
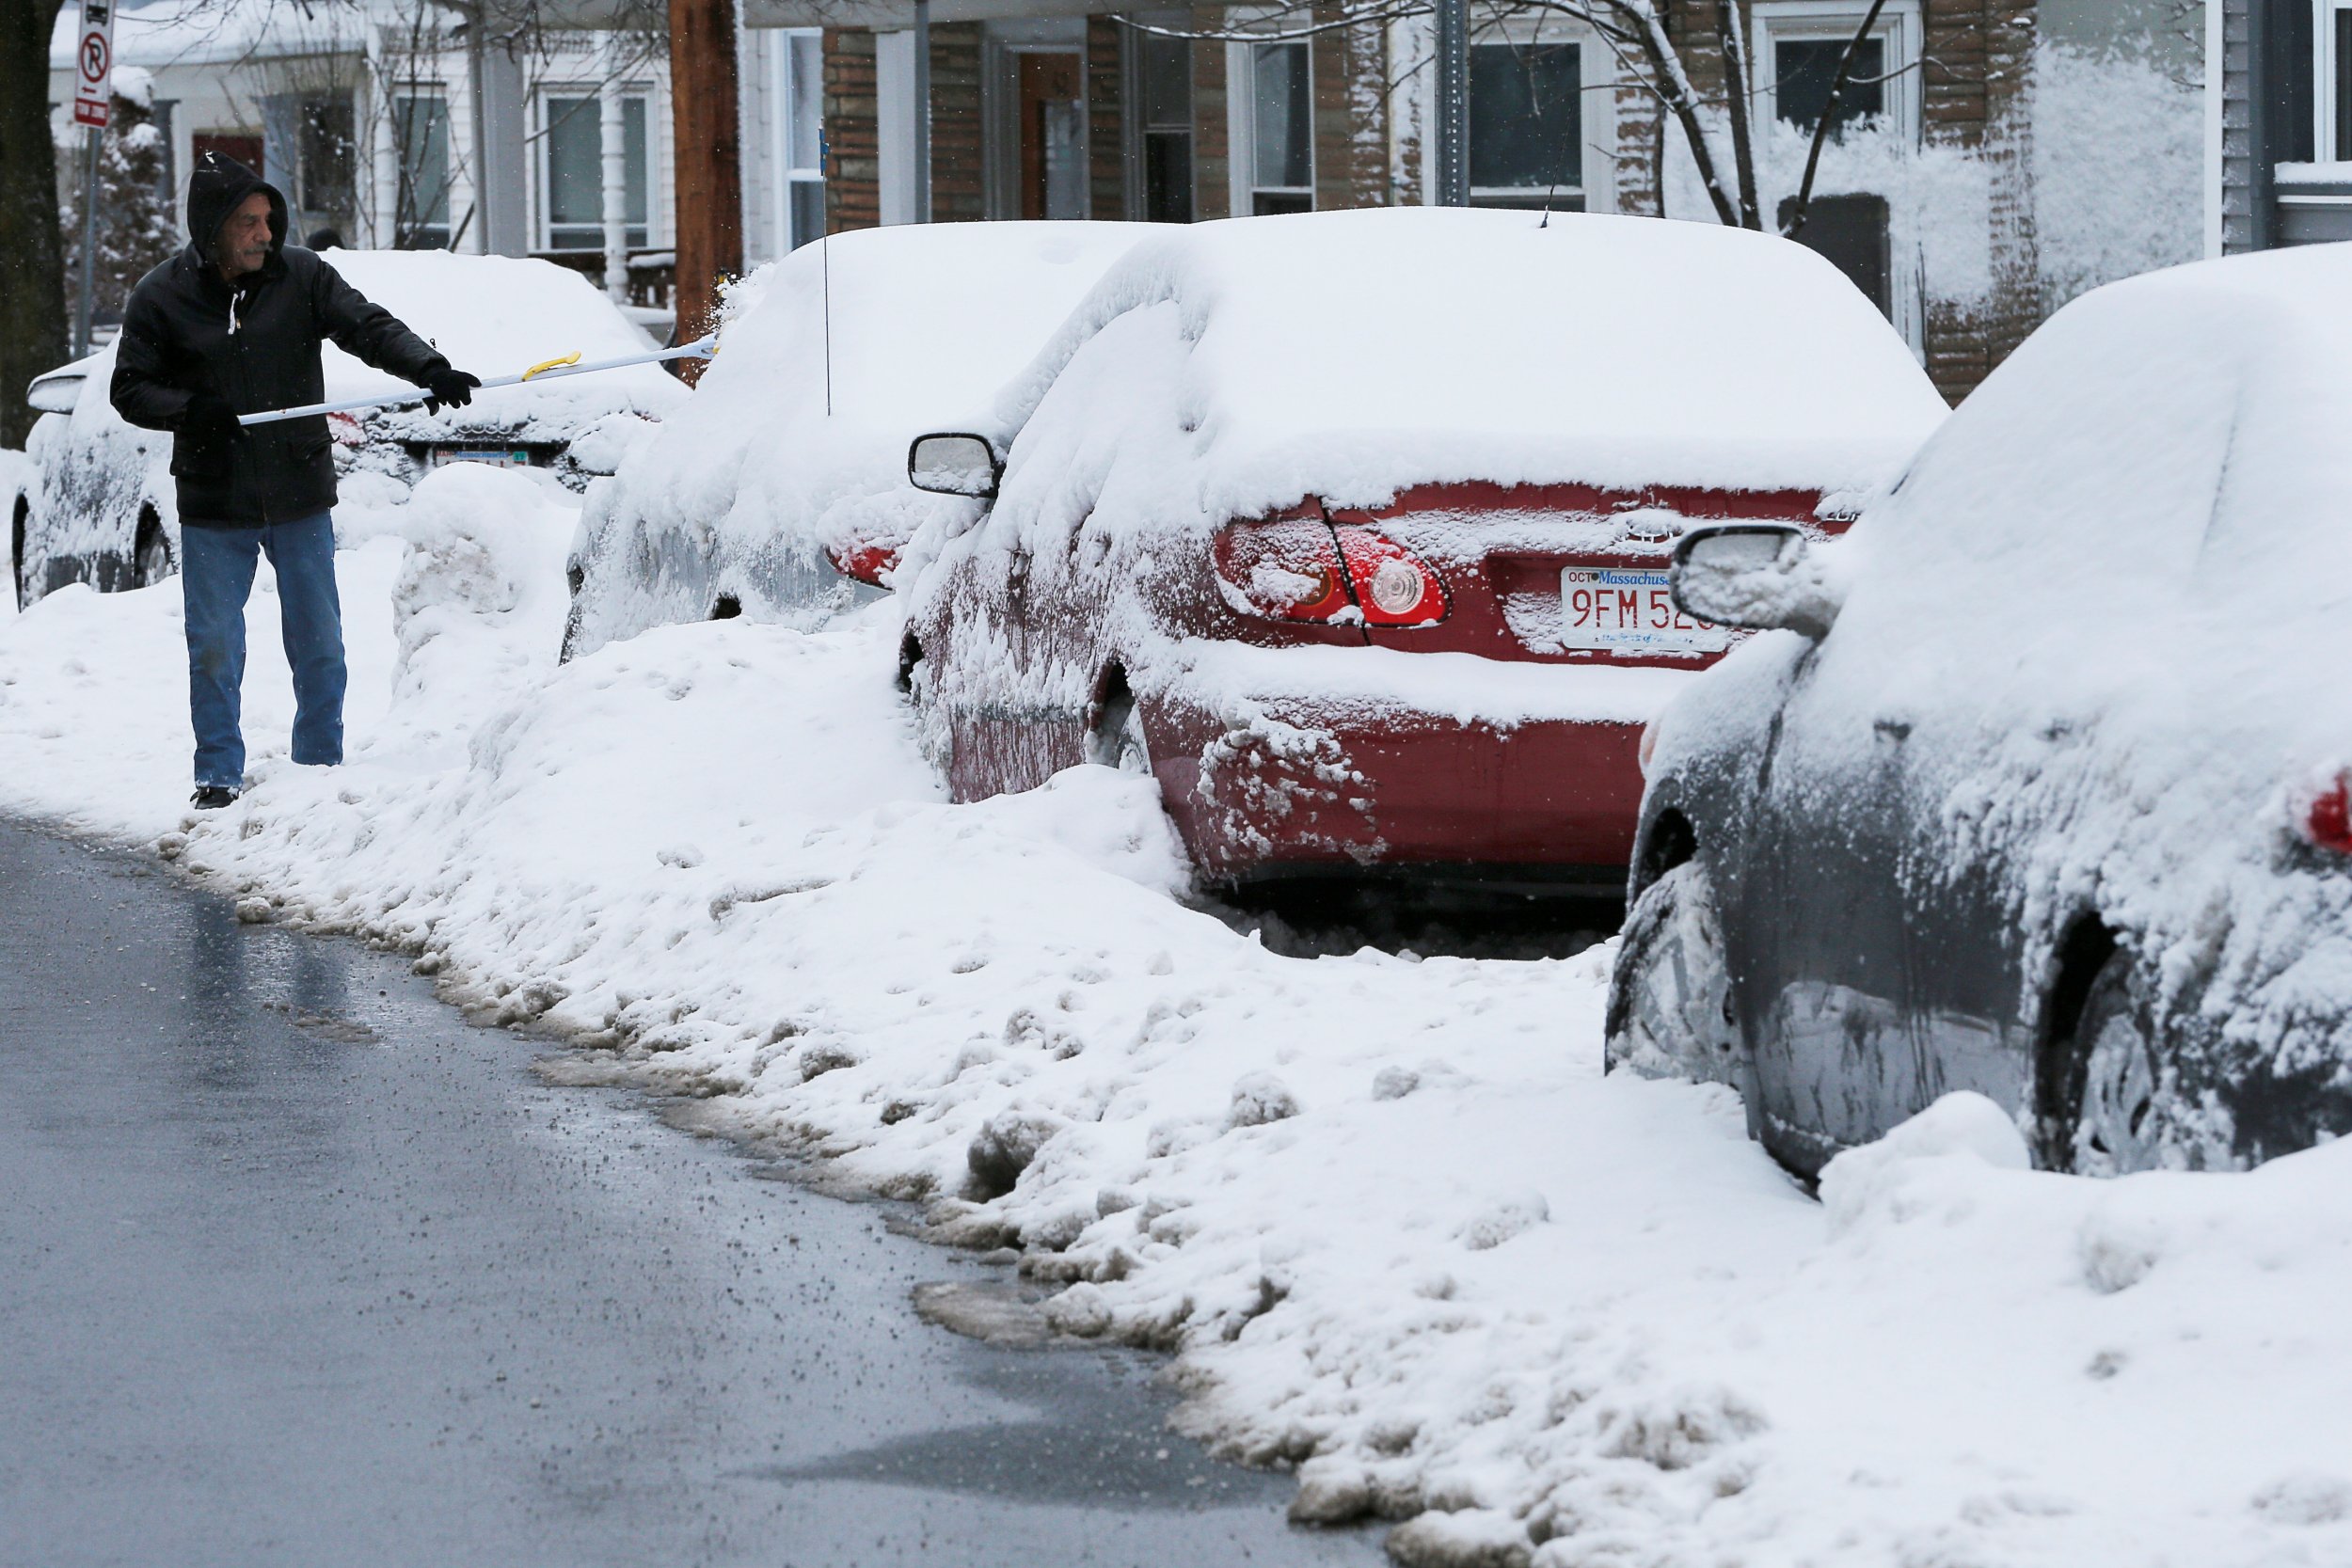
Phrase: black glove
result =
(208, 420)
(450, 387)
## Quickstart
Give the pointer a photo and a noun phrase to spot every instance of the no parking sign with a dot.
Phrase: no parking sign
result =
(94, 63)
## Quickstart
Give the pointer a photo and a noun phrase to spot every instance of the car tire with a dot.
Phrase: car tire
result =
(1670, 993)
(2118, 1115)
(1117, 741)
(154, 564)
(19, 530)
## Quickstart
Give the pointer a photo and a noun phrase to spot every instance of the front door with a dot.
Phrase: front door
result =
(1050, 97)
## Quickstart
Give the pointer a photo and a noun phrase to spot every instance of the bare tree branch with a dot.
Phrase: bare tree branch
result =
(1803, 200)
(1738, 84)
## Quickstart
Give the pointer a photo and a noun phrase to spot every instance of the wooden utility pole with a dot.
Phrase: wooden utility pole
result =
(709, 159)
(32, 251)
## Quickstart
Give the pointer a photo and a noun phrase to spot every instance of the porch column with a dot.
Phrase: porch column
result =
(614, 135)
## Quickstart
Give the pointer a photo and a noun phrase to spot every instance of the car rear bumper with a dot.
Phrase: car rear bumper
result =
(1266, 785)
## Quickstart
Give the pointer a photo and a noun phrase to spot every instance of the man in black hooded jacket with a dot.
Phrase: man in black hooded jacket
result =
(233, 326)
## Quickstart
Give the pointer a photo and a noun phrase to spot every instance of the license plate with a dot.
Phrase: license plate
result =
(503, 457)
(1629, 610)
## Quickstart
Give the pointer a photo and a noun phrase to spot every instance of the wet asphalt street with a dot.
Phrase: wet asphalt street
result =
(297, 1267)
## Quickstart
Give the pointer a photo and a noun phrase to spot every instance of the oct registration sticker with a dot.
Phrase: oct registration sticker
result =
(1623, 609)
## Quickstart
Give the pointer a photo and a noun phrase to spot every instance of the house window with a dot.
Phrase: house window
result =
(1273, 127)
(420, 142)
(572, 164)
(1804, 71)
(2331, 44)
(1163, 90)
(803, 138)
(307, 148)
(1526, 132)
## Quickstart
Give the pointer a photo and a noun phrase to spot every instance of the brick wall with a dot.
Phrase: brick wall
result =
(1211, 170)
(1351, 121)
(854, 167)
(1106, 124)
(1974, 84)
(958, 174)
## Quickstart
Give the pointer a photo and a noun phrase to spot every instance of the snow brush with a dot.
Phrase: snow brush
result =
(701, 348)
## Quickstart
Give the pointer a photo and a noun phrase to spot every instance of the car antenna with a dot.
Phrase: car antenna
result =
(1547, 196)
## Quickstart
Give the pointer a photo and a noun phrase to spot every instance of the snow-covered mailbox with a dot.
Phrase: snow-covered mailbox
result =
(1351, 528)
(99, 505)
(2036, 786)
(780, 492)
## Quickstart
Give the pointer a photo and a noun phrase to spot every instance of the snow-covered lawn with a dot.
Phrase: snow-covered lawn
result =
(1395, 1224)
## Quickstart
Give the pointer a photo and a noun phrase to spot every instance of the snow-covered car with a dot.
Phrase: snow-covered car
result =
(781, 494)
(1351, 528)
(2039, 789)
(100, 507)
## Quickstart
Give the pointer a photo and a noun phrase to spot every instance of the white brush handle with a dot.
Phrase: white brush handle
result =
(701, 348)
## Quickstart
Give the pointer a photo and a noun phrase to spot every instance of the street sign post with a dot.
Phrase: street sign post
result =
(93, 87)
(93, 107)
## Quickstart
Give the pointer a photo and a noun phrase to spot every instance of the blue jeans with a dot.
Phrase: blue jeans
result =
(215, 580)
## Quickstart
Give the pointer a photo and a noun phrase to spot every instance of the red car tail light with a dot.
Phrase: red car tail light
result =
(1395, 587)
(2328, 820)
(1286, 569)
(867, 563)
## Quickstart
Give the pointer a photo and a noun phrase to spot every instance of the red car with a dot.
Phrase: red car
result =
(1353, 529)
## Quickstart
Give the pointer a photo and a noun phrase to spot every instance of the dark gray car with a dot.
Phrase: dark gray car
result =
(2035, 784)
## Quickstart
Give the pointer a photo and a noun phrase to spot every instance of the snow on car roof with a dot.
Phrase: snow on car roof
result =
(2155, 416)
(501, 315)
(910, 323)
(1350, 354)
(834, 358)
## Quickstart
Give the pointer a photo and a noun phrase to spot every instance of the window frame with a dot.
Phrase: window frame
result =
(543, 170)
(1002, 44)
(792, 177)
(2328, 132)
(1814, 21)
(425, 91)
(1241, 67)
(1520, 32)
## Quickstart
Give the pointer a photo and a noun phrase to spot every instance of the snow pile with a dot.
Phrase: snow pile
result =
(1396, 1226)
(1445, 344)
(834, 359)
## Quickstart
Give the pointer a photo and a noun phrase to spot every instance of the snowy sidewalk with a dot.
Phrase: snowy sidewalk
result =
(1397, 1227)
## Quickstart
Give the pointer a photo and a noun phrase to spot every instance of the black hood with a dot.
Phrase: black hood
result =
(213, 191)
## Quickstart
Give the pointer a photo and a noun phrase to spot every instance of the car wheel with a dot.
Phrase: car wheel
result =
(1118, 739)
(2118, 1127)
(17, 531)
(154, 558)
(1670, 994)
